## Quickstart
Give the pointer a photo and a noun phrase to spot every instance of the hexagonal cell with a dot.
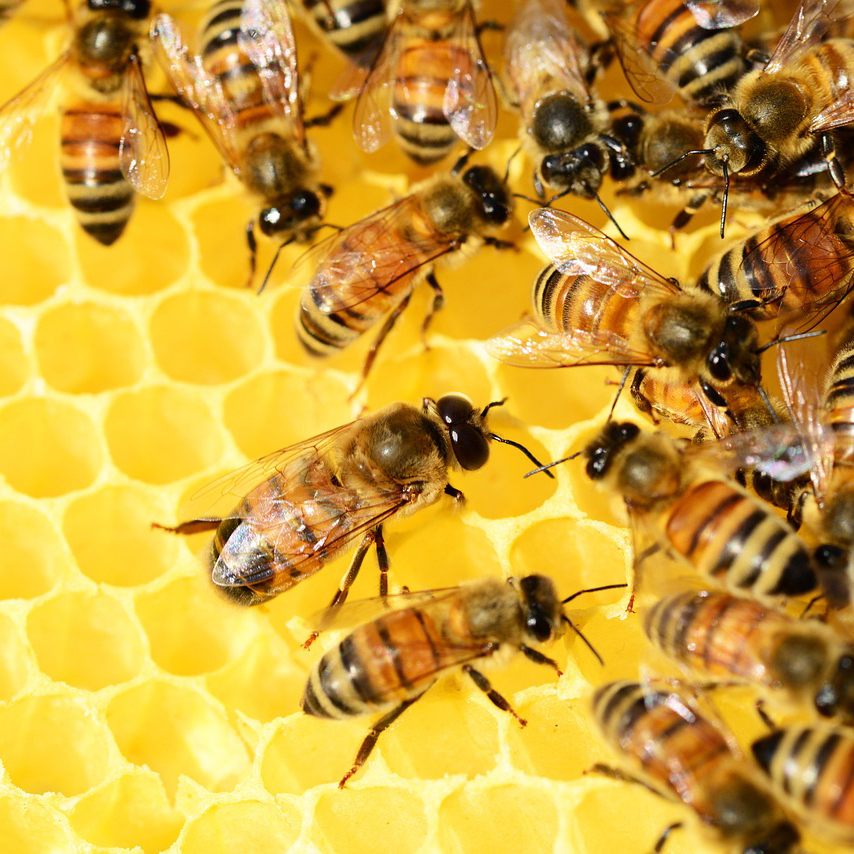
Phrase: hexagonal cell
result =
(153, 253)
(350, 821)
(113, 355)
(50, 743)
(33, 556)
(84, 640)
(206, 337)
(245, 826)
(176, 730)
(501, 817)
(620, 642)
(14, 659)
(159, 435)
(129, 812)
(34, 169)
(69, 448)
(277, 409)
(109, 532)
(184, 622)
(220, 229)
(14, 363)
(31, 826)
(36, 260)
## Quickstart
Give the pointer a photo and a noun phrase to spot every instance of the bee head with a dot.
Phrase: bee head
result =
(733, 144)
(601, 451)
(836, 697)
(493, 200)
(580, 171)
(464, 425)
(735, 356)
(290, 213)
(560, 122)
(139, 10)
(541, 607)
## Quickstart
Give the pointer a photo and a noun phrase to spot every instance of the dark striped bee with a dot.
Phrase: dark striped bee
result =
(368, 271)
(429, 85)
(112, 145)
(243, 84)
(354, 27)
(812, 769)
(684, 755)
(388, 664)
(306, 504)
(720, 636)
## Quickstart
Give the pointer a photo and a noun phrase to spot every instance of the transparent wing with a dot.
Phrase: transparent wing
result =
(811, 21)
(201, 90)
(267, 38)
(142, 151)
(470, 105)
(350, 82)
(720, 14)
(364, 610)
(372, 119)
(19, 115)
(576, 248)
(837, 115)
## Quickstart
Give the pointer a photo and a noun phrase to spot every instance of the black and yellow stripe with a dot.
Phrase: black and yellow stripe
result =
(355, 27)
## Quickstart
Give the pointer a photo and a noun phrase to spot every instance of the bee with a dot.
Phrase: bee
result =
(683, 754)
(8, 8)
(429, 84)
(566, 127)
(243, 85)
(723, 636)
(388, 664)
(305, 504)
(596, 304)
(111, 144)
(812, 769)
(356, 28)
(368, 271)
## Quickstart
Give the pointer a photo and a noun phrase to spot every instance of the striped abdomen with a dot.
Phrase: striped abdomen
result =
(814, 768)
(89, 155)
(726, 534)
(699, 62)
(424, 66)
(355, 27)
(380, 664)
(839, 389)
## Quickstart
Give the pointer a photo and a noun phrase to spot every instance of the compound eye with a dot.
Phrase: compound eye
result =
(628, 431)
(305, 204)
(454, 408)
(538, 624)
(552, 166)
(470, 446)
(271, 221)
(718, 363)
(598, 463)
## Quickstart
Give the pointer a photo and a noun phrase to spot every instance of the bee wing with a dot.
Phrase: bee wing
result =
(350, 82)
(360, 262)
(201, 90)
(19, 115)
(267, 38)
(364, 610)
(837, 115)
(720, 14)
(642, 72)
(541, 44)
(470, 105)
(142, 150)
(576, 248)
(812, 20)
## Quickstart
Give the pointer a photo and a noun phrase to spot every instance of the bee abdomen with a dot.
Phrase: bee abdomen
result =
(102, 197)
(323, 334)
(355, 27)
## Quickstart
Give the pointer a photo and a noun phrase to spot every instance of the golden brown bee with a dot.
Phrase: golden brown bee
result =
(368, 271)
(306, 504)
(243, 84)
(388, 664)
(600, 305)
(812, 769)
(354, 27)
(685, 756)
(565, 126)
(429, 85)
(722, 636)
(111, 142)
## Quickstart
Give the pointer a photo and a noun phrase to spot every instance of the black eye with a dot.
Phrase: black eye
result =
(470, 446)
(598, 463)
(718, 363)
(454, 408)
(271, 221)
(627, 431)
(538, 624)
(305, 204)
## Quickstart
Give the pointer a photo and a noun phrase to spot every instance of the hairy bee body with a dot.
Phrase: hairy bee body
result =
(355, 27)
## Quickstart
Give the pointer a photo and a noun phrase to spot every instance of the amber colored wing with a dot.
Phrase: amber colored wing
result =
(721, 14)
(812, 19)
(837, 115)
(354, 613)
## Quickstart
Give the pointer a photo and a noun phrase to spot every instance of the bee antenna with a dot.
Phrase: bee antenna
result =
(512, 158)
(609, 215)
(548, 466)
(524, 450)
(767, 401)
(626, 373)
(458, 166)
(726, 198)
(273, 264)
(538, 202)
(581, 635)
(593, 590)
(491, 405)
(786, 339)
(680, 159)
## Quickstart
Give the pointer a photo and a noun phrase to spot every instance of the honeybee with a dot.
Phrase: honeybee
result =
(428, 85)
(811, 769)
(388, 664)
(600, 305)
(368, 271)
(305, 504)
(243, 85)
(683, 754)
(566, 127)
(8, 8)
(354, 27)
(112, 145)
(723, 636)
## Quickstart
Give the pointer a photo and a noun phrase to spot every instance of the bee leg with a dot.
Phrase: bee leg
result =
(834, 167)
(324, 119)
(438, 303)
(192, 526)
(455, 493)
(495, 698)
(252, 243)
(495, 243)
(539, 189)
(764, 716)
(618, 774)
(695, 203)
(642, 402)
(382, 560)
(386, 328)
(376, 731)
(665, 835)
(539, 658)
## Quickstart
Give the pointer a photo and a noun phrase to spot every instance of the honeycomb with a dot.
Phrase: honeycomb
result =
(141, 712)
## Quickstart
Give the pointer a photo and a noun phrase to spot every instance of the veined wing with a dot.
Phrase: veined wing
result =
(721, 14)
(811, 21)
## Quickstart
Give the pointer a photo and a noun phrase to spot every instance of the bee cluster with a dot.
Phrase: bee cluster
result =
(738, 487)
